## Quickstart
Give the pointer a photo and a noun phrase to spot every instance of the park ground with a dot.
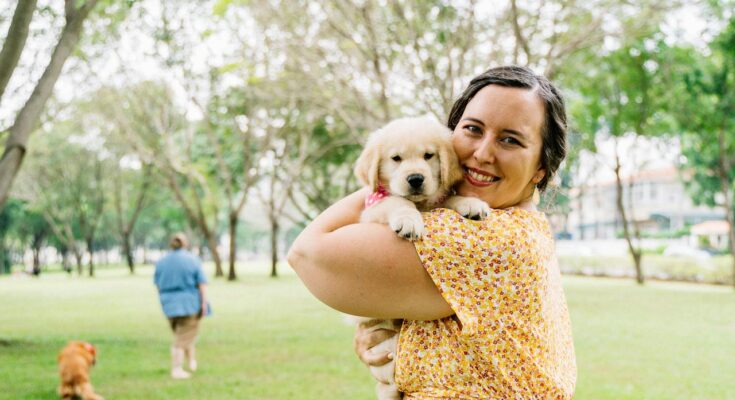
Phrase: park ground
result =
(270, 339)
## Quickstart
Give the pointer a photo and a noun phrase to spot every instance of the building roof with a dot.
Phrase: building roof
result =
(662, 174)
(717, 227)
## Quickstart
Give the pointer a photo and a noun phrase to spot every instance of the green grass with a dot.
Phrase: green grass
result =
(269, 339)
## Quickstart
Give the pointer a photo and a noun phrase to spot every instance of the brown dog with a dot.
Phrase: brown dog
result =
(75, 360)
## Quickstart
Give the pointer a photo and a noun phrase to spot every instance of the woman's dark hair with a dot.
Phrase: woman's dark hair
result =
(554, 131)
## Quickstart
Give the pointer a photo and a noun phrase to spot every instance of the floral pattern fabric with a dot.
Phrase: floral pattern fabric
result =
(511, 336)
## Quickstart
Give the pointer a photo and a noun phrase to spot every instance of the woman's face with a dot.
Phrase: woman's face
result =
(498, 141)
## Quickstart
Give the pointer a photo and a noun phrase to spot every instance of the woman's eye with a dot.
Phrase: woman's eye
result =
(473, 129)
(510, 140)
(428, 156)
(396, 158)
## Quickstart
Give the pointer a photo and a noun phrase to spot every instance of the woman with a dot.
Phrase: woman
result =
(182, 289)
(483, 303)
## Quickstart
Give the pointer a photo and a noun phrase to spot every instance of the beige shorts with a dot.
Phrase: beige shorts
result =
(185, 330)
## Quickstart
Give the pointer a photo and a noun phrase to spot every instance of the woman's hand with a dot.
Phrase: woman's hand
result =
(365, 339)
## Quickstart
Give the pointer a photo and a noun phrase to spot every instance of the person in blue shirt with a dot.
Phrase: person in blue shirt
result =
(182, 289)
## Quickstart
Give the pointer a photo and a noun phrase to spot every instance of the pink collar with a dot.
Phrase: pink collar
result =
(90, 348)
(376, 196)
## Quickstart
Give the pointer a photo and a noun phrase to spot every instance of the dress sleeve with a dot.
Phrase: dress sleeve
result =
(200, 276)
(480, 267)
(157, 275)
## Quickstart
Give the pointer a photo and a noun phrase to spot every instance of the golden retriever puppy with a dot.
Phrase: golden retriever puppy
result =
(411, 166)
(75, 361)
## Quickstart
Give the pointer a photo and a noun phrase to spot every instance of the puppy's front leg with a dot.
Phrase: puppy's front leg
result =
(400, 214)
(468, 207)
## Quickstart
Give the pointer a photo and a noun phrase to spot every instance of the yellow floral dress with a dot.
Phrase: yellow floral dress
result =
(511, 336)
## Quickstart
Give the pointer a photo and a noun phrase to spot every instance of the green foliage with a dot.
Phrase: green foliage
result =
(220, 7)
(10, 218)
(707, 115)
(626, 92)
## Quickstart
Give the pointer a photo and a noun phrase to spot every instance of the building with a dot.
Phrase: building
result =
(710, 234)
(660, 205)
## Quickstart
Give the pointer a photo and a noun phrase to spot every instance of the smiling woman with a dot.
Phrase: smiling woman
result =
(485, 314)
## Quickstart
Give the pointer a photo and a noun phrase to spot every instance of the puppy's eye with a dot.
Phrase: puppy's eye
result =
(428, 156)
(396, 158)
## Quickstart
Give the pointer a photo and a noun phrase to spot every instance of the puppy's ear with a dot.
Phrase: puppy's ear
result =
(367, 167)
(450, 171)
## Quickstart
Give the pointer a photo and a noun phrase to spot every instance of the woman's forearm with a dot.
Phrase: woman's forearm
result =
(342, 213)
(203, 295)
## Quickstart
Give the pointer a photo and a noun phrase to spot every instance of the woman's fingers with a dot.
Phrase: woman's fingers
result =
(376, 359)
(365, 339)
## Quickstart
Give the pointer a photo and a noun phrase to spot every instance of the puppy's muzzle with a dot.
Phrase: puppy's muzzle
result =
(416, 182)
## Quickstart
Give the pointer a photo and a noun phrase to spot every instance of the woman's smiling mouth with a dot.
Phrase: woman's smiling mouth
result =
(478, 178)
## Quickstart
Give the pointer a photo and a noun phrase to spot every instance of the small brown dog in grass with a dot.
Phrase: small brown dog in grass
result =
(75, 361)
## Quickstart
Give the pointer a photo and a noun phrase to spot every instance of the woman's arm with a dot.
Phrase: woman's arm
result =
(203, 297)
(364, 269)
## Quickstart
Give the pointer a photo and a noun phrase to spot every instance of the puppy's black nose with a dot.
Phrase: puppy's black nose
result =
(415, 180)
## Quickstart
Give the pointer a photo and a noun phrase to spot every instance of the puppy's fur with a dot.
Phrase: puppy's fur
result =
(414, 161)
(75, 361)
(400, 152)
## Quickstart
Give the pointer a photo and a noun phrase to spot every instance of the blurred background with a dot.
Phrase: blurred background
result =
(123, 121)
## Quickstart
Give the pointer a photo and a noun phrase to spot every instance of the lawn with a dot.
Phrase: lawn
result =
(269, 339)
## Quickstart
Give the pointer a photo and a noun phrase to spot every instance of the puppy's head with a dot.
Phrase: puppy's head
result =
(411, 157)
(82, 349)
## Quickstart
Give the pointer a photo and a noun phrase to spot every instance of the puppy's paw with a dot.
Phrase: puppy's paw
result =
(470, 207)
(408, 225)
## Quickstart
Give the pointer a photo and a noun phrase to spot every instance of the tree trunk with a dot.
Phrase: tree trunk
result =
(90, 250)
(274, 247)
(15, 41)
(582, 233)
(36, 261)
(28, 116)
(725, 186)
(231, 276)
(5, 262)
(127, 250)
(634, 252)
(36, 245)
(212, 246)
(65, 261)
(78, 257)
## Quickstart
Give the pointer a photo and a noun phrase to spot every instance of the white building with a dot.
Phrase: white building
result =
(710, 234)
(659, 204)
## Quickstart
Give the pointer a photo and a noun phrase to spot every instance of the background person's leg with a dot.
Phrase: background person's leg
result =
(177, 364)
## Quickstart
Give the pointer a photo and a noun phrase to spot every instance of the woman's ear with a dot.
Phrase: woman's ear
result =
(367, 167)
(538, 176)
(450, 171)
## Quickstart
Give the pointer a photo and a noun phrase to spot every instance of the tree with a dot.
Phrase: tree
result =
(626, 95)
(549, 35)
(707, 114)
(10, 217)
(65, 183)
(129, 204)
(15, 40)
(33, 231)
(146, 116)
(26, 119)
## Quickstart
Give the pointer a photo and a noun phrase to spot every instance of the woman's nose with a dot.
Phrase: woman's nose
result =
(485, 151)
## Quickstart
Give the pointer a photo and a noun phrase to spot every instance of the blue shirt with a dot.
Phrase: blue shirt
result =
(177, 276)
